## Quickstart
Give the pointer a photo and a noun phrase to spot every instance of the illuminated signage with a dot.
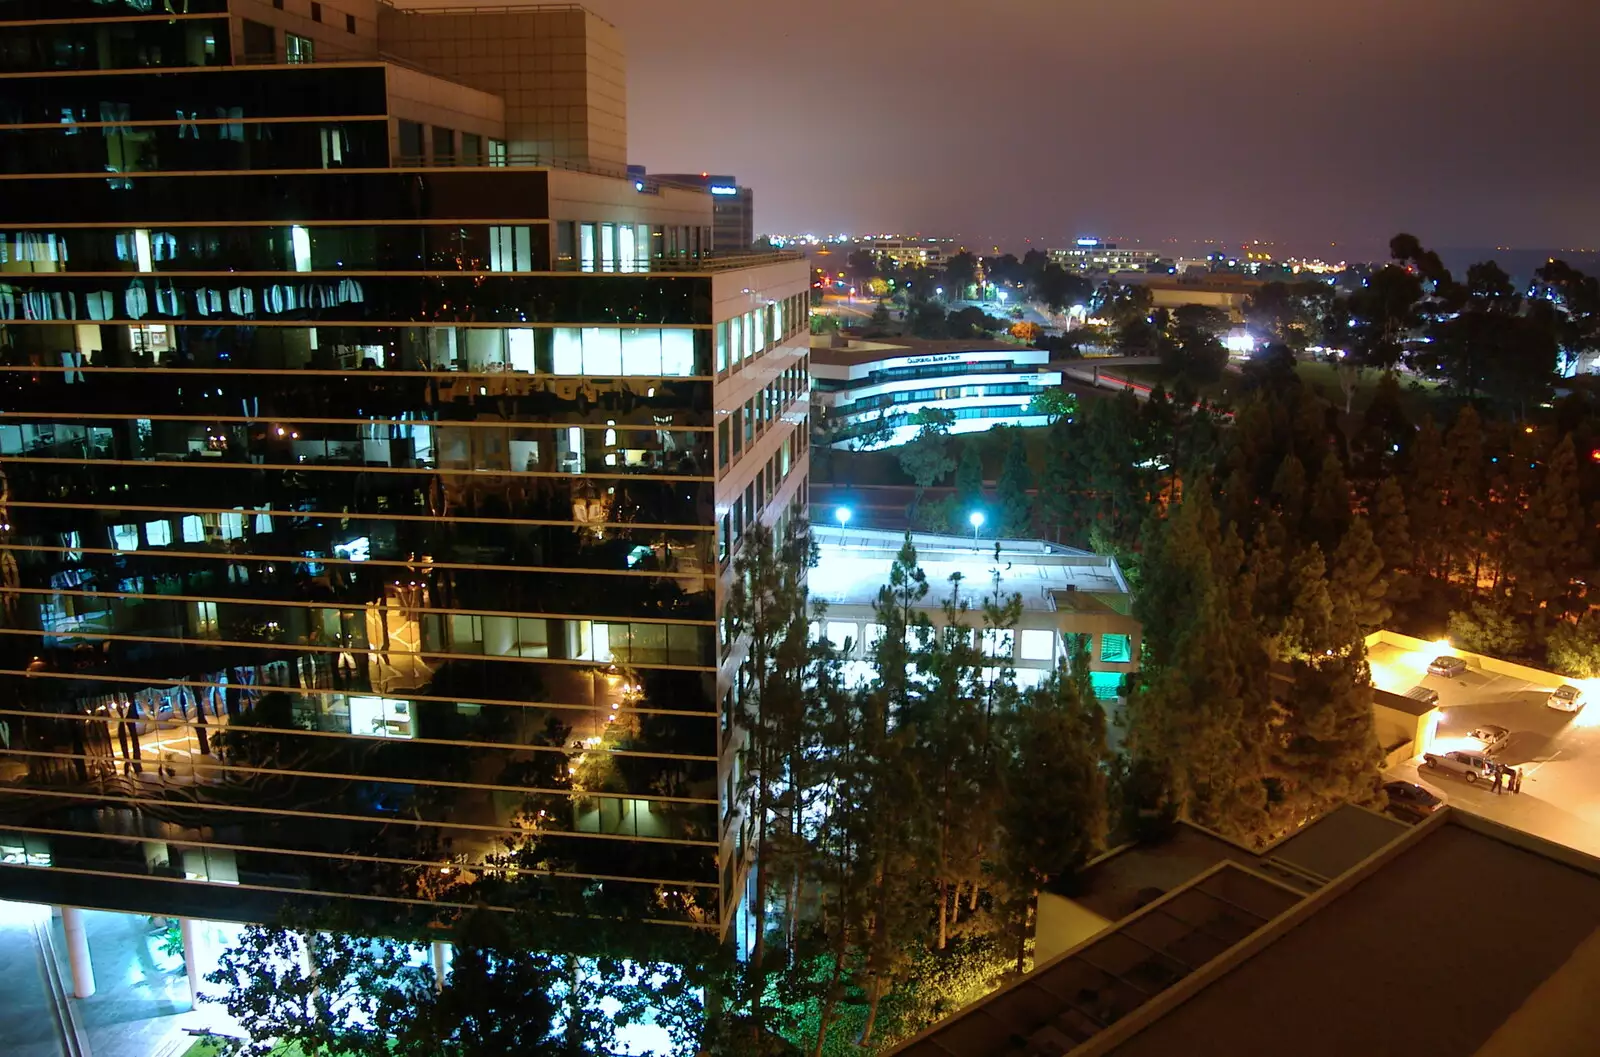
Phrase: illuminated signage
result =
(1088, 242)
(723, 190)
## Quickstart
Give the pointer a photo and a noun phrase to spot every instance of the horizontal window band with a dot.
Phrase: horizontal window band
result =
(364, 897)
(379, 563)
(154, 18)
(346, 856)
(133, 123)
(177, 723)
(94, 416)
(362, 273)
(305, 467)
(133, 225)
(296, 604)
(20, 504)
(431, 783)
(297, 648)
(201, 684)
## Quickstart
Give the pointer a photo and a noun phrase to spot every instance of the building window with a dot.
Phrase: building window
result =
(410, 136)
(316, 11)
(497, 152)
(444, 146)
(349, 23)
(510, 249)
(586, 248)
(722, 346)
(260, 42)
(298, 48)
(1038, 645)
(1116, 649)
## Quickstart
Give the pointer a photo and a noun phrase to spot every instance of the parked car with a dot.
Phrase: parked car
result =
(1469, 765)
(1449, 667)
(1567, 698)
(1427, 695)
(1494, 737)
(1410, 800)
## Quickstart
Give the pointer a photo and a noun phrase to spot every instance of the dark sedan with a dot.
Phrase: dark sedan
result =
(1410, 800)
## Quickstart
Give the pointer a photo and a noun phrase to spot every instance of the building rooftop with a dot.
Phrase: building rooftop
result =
(1373, 969)
(858, 351)
(1388, 957)
(854, 563)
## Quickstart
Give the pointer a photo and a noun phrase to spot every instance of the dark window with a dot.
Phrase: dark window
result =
(316, 12)
(277, 5)
(349, 23)
(411, 151)
(471, 149)
(260, 42)
(444, 146)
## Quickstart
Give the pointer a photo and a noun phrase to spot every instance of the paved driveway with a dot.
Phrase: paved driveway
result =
(1557, 752)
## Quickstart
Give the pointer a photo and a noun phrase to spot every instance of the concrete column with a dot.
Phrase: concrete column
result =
(78, 952)
(191, 958)
(438, 965)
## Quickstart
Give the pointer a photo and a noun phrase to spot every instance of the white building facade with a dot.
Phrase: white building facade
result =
(868, 394)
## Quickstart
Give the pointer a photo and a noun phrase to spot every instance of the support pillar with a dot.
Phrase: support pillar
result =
(191, 958)
(78, 952)
(438, 965)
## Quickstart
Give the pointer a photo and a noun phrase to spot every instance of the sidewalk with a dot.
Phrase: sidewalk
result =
(140, 1007)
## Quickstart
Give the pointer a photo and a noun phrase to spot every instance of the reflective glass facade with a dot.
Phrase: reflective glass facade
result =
(349, 548)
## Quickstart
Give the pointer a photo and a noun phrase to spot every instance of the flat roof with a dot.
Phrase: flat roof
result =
(1433, 952)
(859, 351)
(852, 564)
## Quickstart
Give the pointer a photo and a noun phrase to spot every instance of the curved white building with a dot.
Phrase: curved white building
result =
(867, 393)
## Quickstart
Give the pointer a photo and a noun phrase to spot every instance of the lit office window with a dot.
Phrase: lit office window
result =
(677, 353)
(158, 533)
(567, 346)
(586, 247)
(510, 249)
(300, 248)
(519, 347)
(602, 351)
(625, 247)
(608, 247)
(1116, 649)
(722, 346)
(736, 347)
(193, 529)
(641, 349)
(1038, 645)
(298, 48)
(125, 537)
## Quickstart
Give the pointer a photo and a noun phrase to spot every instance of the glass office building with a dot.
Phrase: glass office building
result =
(373, 452)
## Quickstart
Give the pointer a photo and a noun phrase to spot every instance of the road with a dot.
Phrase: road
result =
(1557, 752)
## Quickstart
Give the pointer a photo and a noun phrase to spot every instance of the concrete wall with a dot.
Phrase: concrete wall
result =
(437, 102)
(561, 73)
(587, 197)
(331, 39)
(1061, 925)
(1537, 676)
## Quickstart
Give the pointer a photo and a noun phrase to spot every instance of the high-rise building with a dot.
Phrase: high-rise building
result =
(733, 208)
(373, 452)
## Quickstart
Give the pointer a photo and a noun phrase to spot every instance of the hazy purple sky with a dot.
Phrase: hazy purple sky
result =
(1467, 122)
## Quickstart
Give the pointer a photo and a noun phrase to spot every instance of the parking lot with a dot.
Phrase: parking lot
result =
(1557, 752)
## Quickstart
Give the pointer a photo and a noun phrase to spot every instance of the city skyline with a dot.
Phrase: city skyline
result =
(1241, 121)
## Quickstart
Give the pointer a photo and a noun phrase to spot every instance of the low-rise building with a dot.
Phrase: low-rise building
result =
(1090, 255)
(1064, 592)
(1388, 956)
(866, 394)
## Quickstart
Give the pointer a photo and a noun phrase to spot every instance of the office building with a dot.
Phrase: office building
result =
(867, 393)
(373, 453)
(1359, 942)
(733, 208)
(1066, 594)
(891, 253)
(1092, 256)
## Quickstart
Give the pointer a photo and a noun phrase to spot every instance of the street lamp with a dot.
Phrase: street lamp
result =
(842, 515)
(976, 520)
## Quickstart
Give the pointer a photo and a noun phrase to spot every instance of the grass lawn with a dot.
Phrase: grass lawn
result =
(1417, 396)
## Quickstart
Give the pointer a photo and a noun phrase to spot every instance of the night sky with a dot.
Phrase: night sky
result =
(1467, 122)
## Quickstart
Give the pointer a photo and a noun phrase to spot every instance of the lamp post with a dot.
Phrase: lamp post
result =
(842, 515)
(976, 519)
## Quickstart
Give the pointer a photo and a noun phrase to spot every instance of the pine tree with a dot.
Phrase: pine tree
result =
(1054, 817)
(1425, 501)
(1356, 587)
(1329, 512)
(1326, 749)
(1546, 539)
(1464, 530)
(1016, 481)
(968, 498)
(1391, 526)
